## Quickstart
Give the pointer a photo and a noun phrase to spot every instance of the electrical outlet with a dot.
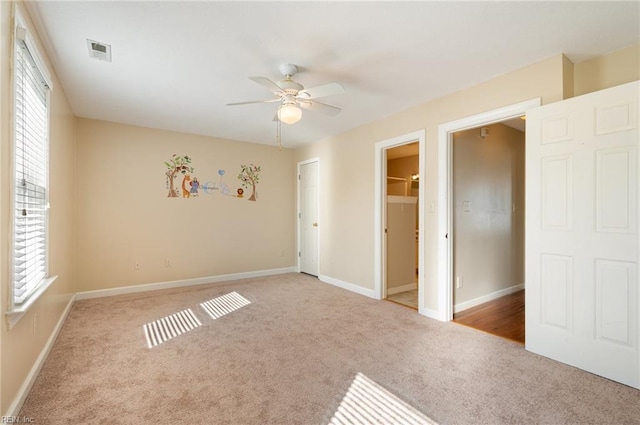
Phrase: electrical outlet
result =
(136, 266)
(167, 263)
(458, 282)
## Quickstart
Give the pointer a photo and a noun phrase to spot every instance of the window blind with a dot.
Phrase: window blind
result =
(31, 175)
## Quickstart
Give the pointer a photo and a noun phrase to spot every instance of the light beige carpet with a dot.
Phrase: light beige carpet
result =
(291, 355)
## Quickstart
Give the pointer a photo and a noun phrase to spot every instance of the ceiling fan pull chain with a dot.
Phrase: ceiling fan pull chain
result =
(279, 134)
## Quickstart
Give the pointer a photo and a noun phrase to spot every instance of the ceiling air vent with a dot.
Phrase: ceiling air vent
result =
(99, 50)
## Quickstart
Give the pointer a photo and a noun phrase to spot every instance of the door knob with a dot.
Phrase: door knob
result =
(315, 224)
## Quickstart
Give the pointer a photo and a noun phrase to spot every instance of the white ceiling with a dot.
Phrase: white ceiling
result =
(176, 64)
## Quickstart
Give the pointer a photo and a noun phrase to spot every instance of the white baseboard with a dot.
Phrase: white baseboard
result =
(349, 286)
(402, 288)
(180, 283)
(23, 392)
(486, 298)
(432, 314)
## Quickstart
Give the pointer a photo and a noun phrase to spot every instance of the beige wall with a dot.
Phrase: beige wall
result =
(488, 236)
(125, 216)
(619, 67)
(347, 191)
(4, 134)
(21, 345)
(568, 74)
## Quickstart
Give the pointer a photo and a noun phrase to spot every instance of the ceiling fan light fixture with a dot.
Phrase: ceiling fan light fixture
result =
(289, 113)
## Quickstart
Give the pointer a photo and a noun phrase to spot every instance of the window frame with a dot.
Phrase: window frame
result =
(21, 34)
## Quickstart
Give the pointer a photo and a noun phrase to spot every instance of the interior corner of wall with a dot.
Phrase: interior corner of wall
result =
(568, 74)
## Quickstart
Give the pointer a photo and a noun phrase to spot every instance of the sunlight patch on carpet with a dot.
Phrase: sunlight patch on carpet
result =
(169, 327)
(225, 304)
(368, 403)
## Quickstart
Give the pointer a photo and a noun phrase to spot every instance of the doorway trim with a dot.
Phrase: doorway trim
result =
(298, 212)
(445, 170)
(379, 256)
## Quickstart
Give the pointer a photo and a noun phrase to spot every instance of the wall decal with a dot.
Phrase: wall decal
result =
(224, 187)
(190, 185)
(195, 185)
(185, 191)
(210, 187)
(177, 164)
(249, 178)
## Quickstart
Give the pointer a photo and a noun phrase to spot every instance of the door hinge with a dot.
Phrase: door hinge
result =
(299, 215)
(299, 254)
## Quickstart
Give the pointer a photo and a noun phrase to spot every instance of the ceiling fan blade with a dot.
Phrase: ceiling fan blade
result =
(329, 89)
(267, 84)
(253, 101)
(319, 107)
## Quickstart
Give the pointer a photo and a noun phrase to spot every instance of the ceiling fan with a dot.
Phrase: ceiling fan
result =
(293, 95)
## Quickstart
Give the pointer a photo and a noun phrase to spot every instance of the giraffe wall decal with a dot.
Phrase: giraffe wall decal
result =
(185, 191)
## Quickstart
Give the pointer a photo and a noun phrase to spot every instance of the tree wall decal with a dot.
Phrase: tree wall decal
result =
(249, 178)
(177, 164)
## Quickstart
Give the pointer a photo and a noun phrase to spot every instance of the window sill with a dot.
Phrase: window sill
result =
(15, 313)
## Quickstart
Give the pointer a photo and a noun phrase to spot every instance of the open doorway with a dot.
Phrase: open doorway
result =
(487, 207)
(381, 252)
(402, 224)
(446, 278)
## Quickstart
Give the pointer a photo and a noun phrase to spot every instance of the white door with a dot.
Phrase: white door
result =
(582, 244)
(308, 218)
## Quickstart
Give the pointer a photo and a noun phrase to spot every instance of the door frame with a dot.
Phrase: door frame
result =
(298, 212)
(379, 216)
(445, 187)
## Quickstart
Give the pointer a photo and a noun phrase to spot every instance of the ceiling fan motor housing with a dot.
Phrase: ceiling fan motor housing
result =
(288, 70)
(289, 86)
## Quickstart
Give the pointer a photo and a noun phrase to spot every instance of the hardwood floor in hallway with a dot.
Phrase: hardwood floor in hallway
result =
(503, 317)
